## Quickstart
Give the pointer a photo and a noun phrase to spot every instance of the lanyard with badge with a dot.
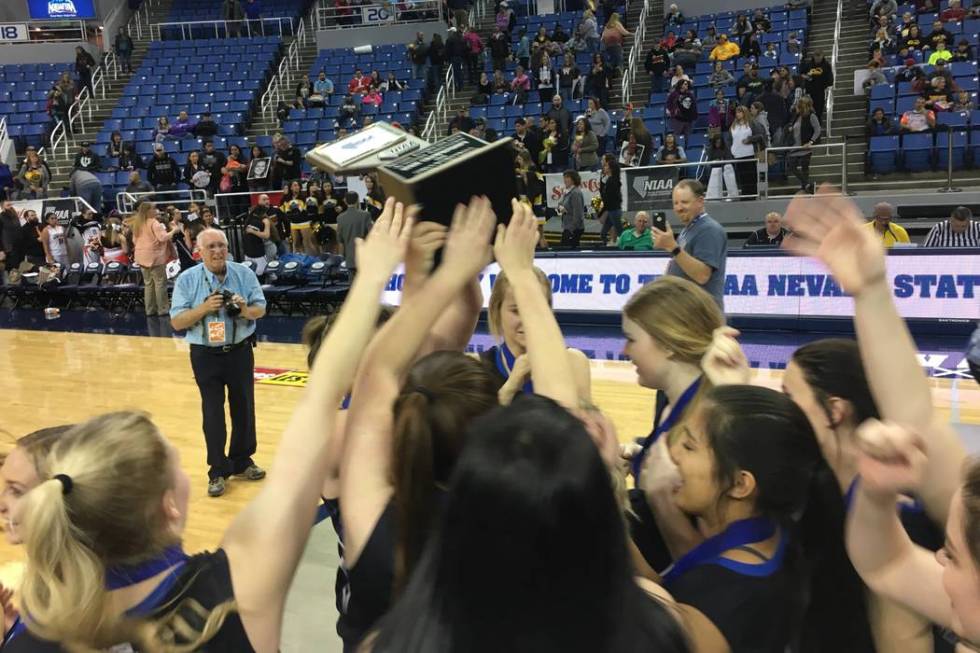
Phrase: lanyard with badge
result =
(214, 325)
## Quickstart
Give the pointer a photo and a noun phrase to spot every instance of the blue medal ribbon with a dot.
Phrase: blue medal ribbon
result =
(737, 534)
(902, 506)
(675, 413)
(124, 576)
(505, 363)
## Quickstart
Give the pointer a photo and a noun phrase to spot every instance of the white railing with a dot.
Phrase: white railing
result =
(829, 101)
(283, 79)
(629, 74)
(825, 147)
(98, 83)
(44, 32)
(329, 16)
(59, 139)
(126, 202)
(273, 26)
(440, 110)
(8, 153)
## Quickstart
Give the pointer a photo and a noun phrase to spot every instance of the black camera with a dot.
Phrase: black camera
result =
(231, 307)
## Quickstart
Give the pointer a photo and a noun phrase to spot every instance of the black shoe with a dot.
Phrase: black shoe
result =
(809, 188)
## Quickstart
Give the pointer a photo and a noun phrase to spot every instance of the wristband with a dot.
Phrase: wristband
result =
(677, 250)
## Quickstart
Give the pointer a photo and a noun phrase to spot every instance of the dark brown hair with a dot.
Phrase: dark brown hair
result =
(442, 394)
(971, 511)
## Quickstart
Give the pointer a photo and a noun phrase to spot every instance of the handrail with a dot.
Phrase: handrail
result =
(829, 101)
(98, 81)
(126, 201)
(75, 111)
(629, 75)
(58, 138)
(244, 25)
(75, 33)
(823, 145)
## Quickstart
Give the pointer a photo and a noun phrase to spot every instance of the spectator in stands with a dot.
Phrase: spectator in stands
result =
(612, 37)
(372, 97)
(258, 230)
(322, 89)
(642, 137)
(753, 84)
(682, 109)
(58, 105)
(558, 35)
(941, 53)
(456, 55)
(585, 146)
(374, 197)
(571, 208)
(560, 114)
(611, 193)
(232, 12)
(253, 12)
(954, 13)
(937, 95)
(161, 170)
(678, 76)
(374, 80)
(670, 151)
(418, 53)
(162, 130)
(750, 46)
(84, 68)
(875, 76)
(720, 76)
(600, 122)
(688, 50)
(793, 45)
(11, 243)
(770, 235)
(304, 88)
(462, 121)
(474, 52)
(742, 26)
(942, 70)
(53, 241)
(908, 72)
(879, 124)
(30, 238)
(938, 33)
(963, 52)
(33, 177)
(758, 115)
(212, 160)
(725, 49)
(286, 162)
(710, 38)
(352, 224)
(86, 159)
(523, 52)
(914, 39)
(760, 22)
(745, 135)
(819, 76)
(883, 8)
(349, 110)
(655, 64)
(669, 41)
(718, 149)
(918, 118)
(806, 132)
(883, 42)
(391, 83)
(114, 149)
(182, 127)
(137, 185)
(964, 102)
(500, 83)
(437, 59)
(86, 185)
(196, 174)
(207, 128)
(961, 230)
(639, 238)
(521, 84)
(599, 83)
(123, 48)
(545, 76)
(505, 18)
(358, 83)
(721, 112)
(881, 224)
(673, 17)
(528, 137)
(499, 46)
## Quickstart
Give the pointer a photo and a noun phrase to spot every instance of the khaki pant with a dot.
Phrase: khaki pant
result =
(155, 290)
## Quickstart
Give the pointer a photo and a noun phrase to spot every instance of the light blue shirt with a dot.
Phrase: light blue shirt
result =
(195, 285)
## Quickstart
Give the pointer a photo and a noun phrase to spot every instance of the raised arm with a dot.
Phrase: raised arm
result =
(551, 367)
(365, 485)
(272, 530)
(831, 229)
(891, 461)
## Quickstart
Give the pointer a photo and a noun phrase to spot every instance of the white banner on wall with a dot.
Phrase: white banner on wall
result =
(555, 187)
(12, 32)
(929, 286)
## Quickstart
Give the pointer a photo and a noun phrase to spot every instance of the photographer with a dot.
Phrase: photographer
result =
(217, 304)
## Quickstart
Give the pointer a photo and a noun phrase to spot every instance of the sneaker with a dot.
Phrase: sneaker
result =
(216, 487)
(252, 473)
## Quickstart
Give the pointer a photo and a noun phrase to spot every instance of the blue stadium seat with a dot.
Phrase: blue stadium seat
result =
(917, 152)
(960, 142)
(883, 154)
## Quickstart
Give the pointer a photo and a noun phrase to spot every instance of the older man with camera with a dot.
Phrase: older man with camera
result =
(217, 304)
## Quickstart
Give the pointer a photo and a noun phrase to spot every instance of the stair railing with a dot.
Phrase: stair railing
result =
(629, 74)
(829, 100)
(58, 139)
(440, 112)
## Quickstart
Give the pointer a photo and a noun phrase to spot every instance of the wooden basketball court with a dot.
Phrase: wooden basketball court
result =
(52, 378)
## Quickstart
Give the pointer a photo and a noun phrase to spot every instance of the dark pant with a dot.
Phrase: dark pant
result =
(974, 370)
(657, 83)
(799, 167)
(747, 176)
(214, 371)
(570, 238)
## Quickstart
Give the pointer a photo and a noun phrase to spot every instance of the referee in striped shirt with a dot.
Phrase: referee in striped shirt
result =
(961, 230)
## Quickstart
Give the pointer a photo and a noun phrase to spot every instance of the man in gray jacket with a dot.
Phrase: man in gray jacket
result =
(352, 224)
(87, 186)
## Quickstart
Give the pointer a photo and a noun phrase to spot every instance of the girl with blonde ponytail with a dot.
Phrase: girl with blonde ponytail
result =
(105, 566)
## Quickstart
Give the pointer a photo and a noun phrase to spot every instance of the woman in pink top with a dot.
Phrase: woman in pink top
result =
(521, 84)
(152, 247)
(612, 42)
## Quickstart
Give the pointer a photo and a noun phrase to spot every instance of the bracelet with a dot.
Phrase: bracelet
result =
(677, 250)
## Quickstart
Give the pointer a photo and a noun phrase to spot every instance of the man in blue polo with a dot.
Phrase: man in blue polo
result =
(217, 303)
(700, 250)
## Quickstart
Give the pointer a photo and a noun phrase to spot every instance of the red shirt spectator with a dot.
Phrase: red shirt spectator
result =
(359, 83)
(954, 13)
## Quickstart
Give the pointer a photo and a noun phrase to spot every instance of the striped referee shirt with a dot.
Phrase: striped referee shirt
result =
(941, 235)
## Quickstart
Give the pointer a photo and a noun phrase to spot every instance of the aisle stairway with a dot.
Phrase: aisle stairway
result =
(639, 91)
(59, 162)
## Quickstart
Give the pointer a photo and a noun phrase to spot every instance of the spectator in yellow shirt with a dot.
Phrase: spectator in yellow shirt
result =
(889, 232)
(940, 53)
(724, 50)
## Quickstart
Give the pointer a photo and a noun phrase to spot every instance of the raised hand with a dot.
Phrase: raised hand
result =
(891, 458)
(427, 238)
(386, 244)
(514, 245)
(660, 476)
(725, 363)
(831, 228)
(10, 613)
(603, 434)
(468, 242)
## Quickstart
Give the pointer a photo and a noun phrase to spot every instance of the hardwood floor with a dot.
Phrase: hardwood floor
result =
(51, 378)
